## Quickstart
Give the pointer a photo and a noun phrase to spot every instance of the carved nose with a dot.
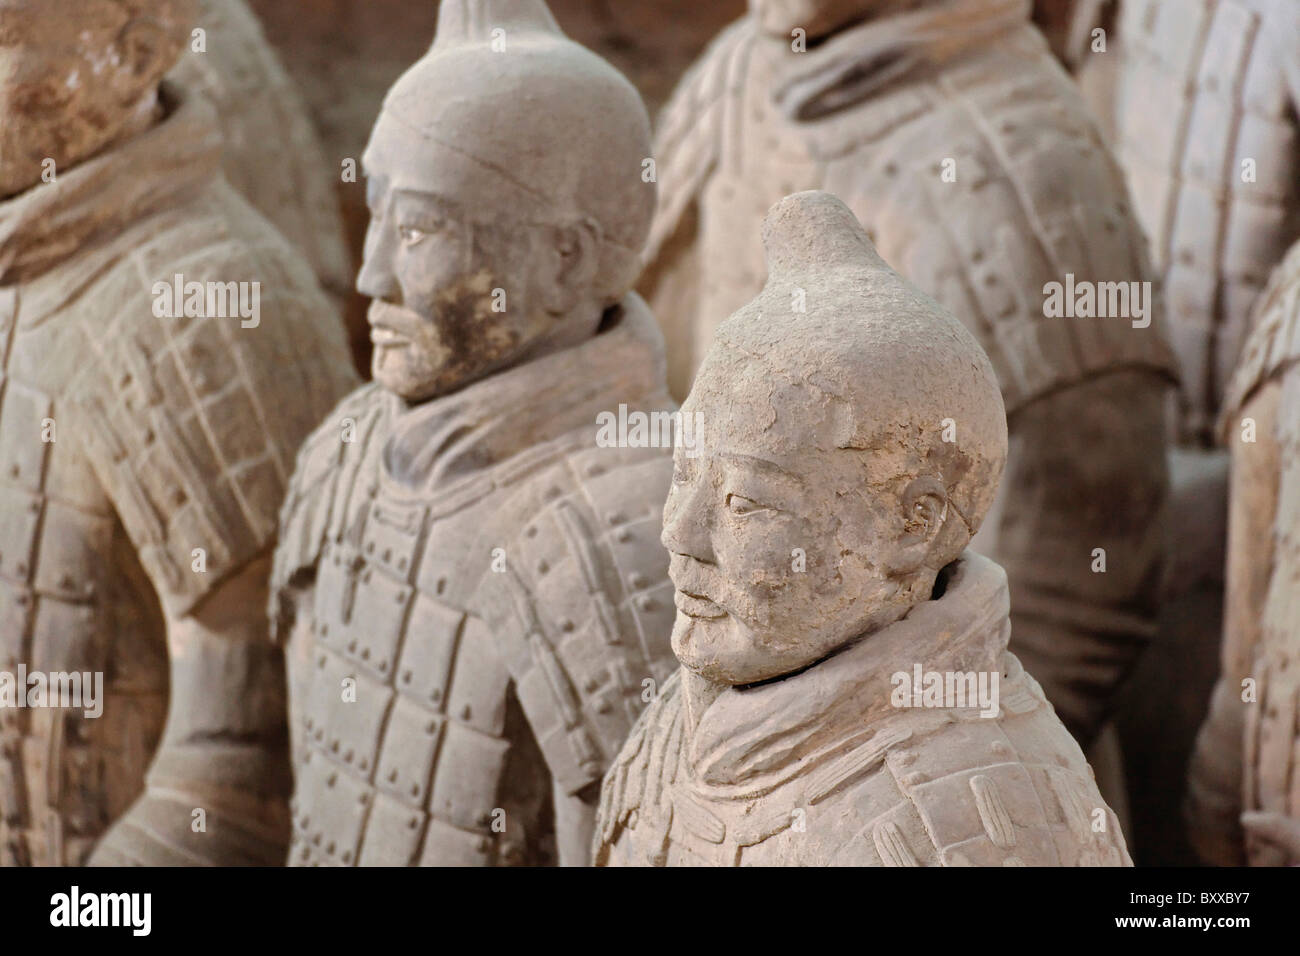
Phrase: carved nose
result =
(376, 280)
(686, 526)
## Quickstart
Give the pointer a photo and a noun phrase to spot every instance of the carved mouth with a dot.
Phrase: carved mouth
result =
(697, 606)
(387, 323)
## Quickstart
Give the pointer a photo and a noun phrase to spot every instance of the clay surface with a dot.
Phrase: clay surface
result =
(271, 153)
(1206, 131)
(969, 158)
(856, 435)
(146, 439)
(469, 578)
(1244, 768)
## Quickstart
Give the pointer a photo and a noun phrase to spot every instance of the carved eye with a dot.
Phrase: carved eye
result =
(412, 236)
(741, 506)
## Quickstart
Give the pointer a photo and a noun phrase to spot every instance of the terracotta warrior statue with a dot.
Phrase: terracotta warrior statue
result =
(846, 695)
(1247, 758)
(967, 155)
(468, 576)
(164, 354)
(271, 152)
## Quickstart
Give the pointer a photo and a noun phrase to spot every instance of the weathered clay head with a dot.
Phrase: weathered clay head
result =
(852, 439)
(77, 75)
(508, 208)
(816, 18)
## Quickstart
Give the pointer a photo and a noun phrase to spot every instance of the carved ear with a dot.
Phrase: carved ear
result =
(147, 49)
(925, 515)
(575, 256)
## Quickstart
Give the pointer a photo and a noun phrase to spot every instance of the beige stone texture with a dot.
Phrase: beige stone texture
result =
(1244, 767)
(969, 158)
(469, 580)
(145, 449)
(855, 435)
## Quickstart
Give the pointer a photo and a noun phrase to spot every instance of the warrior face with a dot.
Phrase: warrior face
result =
(76, 75)
(783, 547)
(461, 287)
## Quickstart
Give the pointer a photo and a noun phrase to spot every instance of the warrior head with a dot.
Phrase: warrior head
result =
(508, 208)
(77, 76)
(853, 439)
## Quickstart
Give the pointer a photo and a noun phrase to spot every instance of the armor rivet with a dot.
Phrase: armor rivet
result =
(382, 666)
(22, 567)
(310, 723)
(636, 580)
(347, 756)
(413, 823)
(415, 789)
(531, 531)
(401, 565)
(891, 169)
(392, 776)
(406, 677)
(352, 646)
(552, 494)
(388, 554)
(603, 707)
(645, 603)
(542, 567)
(594, 470)
(366, 577)
(65, 582)
(401, 597)
(334, 745)
(442, 585)
(320, 733)
(331, 780)
(317, 838)
(435, 695)
(365, 653)
(364, 764)
(432, 728)
(329, 848)
(370, 548)
(347, 856)
(465, 712)
(34, 507)
(14, 471)
(623, 536)
(591, 685)
(148, 436)
(363, 799)
(306, 852)
(321, 661)
(617, 518)
(566, 625)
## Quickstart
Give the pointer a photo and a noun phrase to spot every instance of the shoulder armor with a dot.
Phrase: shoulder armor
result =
(690, 128)
(985, 802)
(581, 607)
(323, 476)
(634, 794)
(1274, 342)
(192, 422)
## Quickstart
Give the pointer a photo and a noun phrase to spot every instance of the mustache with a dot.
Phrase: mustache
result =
(389, 316)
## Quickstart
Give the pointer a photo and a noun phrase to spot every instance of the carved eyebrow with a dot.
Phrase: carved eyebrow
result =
(763, 465)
